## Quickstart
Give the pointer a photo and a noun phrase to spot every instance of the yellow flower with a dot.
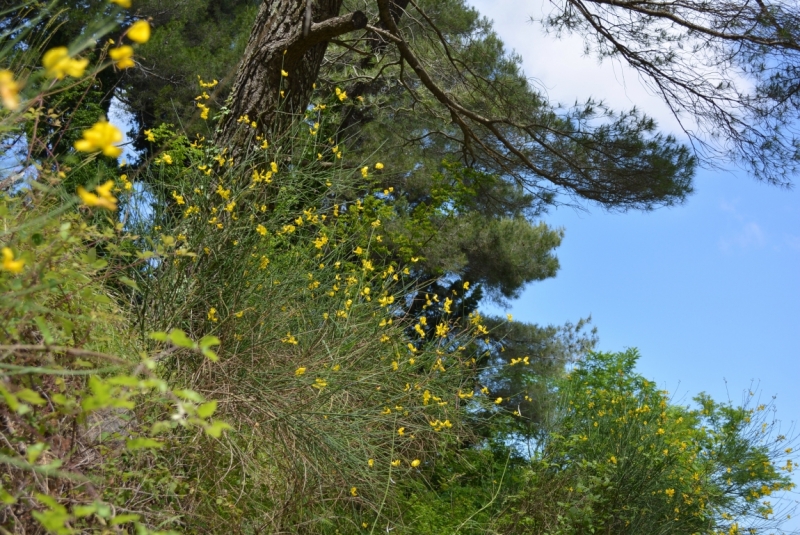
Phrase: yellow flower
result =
(122, 3)
(300, 371)
(498, 401)
(148, 135)
(401, 431)
(59, 65)
(139, 32)
(274, 167)
(289, 339)
(178, 198)
(222, 192)
(415, 463)
(613, 460)
(442, 329)
(206, 84)
(396, 463)
(212, 314)
(364, 171)
(353, 491)
(371, 463)
(341, 94)
(670, 492)
(320, 383)
(203, 111)
(101, 136)
(167, 159)
(379, 166)
(9, 264)
(9, 90)
(284, 73)
(261, 229)
(466, 285)
(122, 57)
(102, 199)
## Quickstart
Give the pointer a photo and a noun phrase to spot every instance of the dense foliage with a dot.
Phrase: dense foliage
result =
(284, 342)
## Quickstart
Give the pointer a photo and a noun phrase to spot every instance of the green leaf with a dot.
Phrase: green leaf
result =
(210, 354)
(11, 399)
(179, 338)
(53, 521)
(124, 519)
(81, 511)
(160, 427)
(102, 299)
(29, 396)
(49, 501)
(143, 443)
(124, 380)
(189, 395)
(159, 336)
(208, 341)
(35, 451)
(103, 510)
(215, 430)
(206, 410)
(7, 498)
(129, 282)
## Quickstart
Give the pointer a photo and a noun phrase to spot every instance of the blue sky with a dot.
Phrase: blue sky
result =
(709, 292)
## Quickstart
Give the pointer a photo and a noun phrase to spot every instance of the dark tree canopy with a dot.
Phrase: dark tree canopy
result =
(465, 93)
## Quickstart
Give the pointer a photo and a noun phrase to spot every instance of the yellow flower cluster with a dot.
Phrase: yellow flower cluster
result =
(102, 199)
(59, 64)
(9, 264)
(9, 90)
(101, 137)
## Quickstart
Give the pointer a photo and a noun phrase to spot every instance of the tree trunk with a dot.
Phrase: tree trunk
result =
(280, 44)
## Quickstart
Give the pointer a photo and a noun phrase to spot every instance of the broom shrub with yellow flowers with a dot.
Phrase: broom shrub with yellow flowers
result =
(332, 402)
(222, 348)
(623, 458)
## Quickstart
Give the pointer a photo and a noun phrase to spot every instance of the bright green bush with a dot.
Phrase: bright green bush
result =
(622, 458)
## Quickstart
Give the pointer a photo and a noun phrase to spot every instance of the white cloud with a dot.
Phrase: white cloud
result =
(750, 235)
(730, 207)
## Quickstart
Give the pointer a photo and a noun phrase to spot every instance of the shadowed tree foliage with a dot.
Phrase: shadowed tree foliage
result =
(190, 39)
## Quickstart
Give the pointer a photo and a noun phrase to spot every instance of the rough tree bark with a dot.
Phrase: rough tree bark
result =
(277, 45)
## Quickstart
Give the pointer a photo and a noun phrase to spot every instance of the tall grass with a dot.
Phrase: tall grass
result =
(316, 374)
